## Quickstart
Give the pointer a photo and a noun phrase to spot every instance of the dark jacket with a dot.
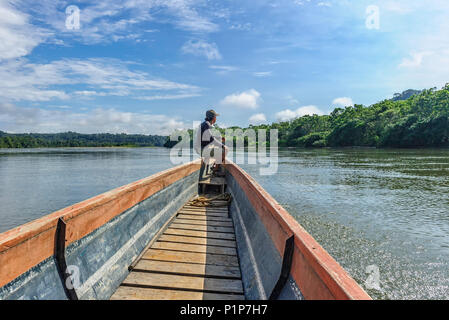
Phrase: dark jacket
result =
(208, 137)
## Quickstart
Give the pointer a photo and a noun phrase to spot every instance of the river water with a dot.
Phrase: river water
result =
(382, 214)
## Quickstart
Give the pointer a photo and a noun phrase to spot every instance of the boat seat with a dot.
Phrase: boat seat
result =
(213, 181)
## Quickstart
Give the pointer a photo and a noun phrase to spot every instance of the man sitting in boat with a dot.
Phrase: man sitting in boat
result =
(207, 145)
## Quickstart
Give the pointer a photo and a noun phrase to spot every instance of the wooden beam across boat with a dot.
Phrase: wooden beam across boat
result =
(194, 258)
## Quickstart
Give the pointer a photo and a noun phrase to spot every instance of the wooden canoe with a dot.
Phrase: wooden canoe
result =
(144, 241)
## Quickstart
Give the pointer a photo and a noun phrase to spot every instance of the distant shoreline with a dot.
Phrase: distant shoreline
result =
(280, 148)
(74, 139)
(90, 147)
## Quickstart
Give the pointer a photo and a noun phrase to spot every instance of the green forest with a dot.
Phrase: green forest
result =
(411, 119)
(73, 139)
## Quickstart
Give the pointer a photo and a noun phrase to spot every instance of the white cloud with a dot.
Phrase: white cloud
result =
(103, 77)
(224, 69)
(426, 69)
(426, 62)
(90, 93)
(324, 4)
(262, 74)
(241, 26)
(202, 48)
(319, 4)
(257, 119)
(188, 17)
(245, 100)
(169, 97)
(292, 100)
(400, 8)
(343, 101)
(286, 115)
(19, 119)
(416, 59)
(61, 107)
(115, 20)
(17, 37)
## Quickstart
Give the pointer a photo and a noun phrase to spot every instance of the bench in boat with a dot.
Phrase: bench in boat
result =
(253, 250)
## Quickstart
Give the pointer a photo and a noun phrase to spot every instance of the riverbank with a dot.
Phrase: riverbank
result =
(73, 139)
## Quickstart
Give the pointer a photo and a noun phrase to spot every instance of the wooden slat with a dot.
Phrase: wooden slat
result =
(194, 240)
(218, 202)
(218, 209)
(194, 248)
(188, 269)
(133, 293)
(224, 209)
(203, 217)
(202, 234)
(213, 204)
(184, 282)
(191, 257)
(204, 222)
(216, 181)
(201, 228)
(205, 214)
(195, 258)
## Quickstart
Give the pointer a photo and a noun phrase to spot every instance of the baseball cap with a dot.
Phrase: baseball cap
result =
(211, 113)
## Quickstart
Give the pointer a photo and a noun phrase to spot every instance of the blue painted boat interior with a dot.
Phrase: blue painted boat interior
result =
(102, 257)
(260, 261)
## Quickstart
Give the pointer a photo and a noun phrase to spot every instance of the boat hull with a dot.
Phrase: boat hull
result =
(263, 227)
(104, 236)
(107, 233)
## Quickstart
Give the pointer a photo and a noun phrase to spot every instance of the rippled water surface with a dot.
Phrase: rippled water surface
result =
(36, 182)
(385, 210)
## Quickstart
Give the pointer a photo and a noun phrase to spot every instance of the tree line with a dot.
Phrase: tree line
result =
(411, 119)
(73, 139)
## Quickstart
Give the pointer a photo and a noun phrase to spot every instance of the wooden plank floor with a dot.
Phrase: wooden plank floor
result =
(194, 259)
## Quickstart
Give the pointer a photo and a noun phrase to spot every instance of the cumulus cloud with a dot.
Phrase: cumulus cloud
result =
(202, 48)
(287, 115)
(257, 118)
(245, 100)
(343, 101)
(39, 120)
(415, 59)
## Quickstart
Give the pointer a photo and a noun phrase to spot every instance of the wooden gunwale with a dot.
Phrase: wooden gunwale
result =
(308, 254)
(28, 245)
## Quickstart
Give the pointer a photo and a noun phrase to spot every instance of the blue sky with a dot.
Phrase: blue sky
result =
(150, 66)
